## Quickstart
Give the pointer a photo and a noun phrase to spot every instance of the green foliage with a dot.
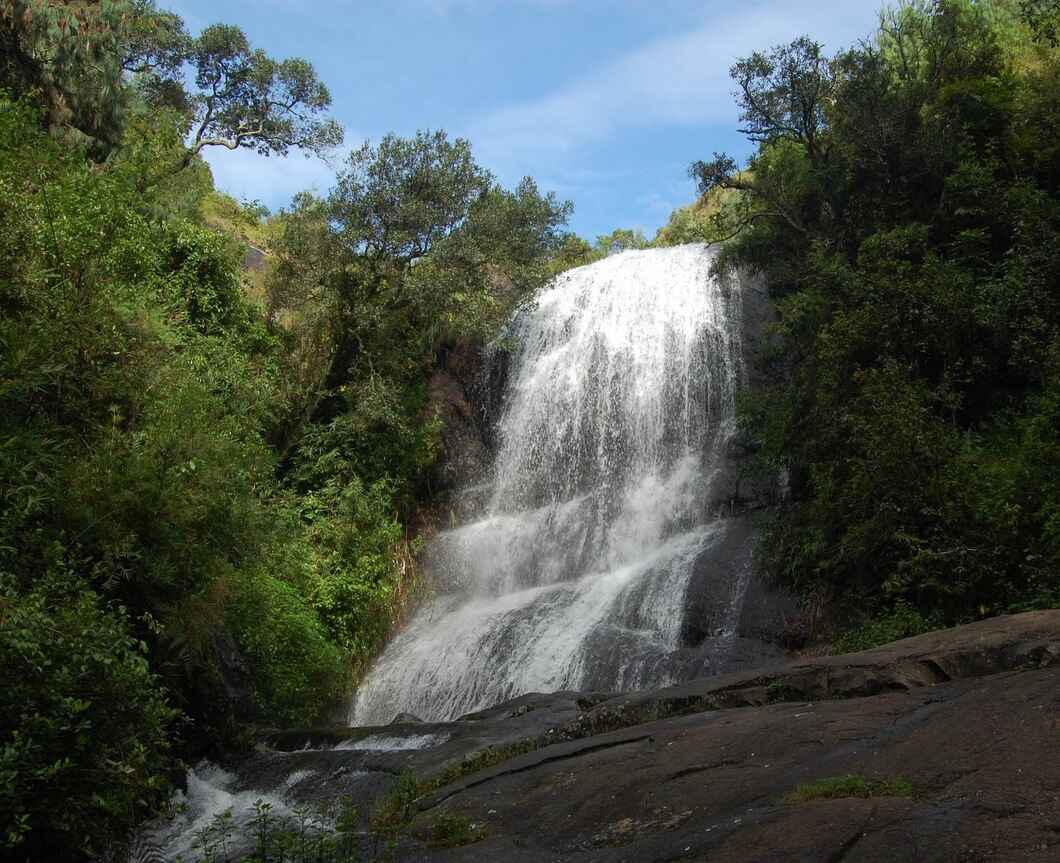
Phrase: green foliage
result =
(353, 581)
(572, 252)
(204, 476)
(244, 98)
(83, 721)
(393, 813)
(325, 834)
(1043, 17)
(247, 219)
(849, 786)
(138, 390)
(711, 219)
(202, 277)
(620, 240)
(778, 692)
(97, 64)
(482, 760)
(450, 830)
(71, 54)
(404, 196)
(478, 249)
(903, 204)
(297, 670)
(901, 621)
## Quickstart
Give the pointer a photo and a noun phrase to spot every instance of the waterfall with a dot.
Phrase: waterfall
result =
(618, 408)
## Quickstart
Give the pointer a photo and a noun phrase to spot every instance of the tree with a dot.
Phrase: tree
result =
(574, 251)
(435, 233)
(401, 198)
(419, 247)
(620, 240)
(154, 41)
(70, 54)
(783, 93)
(244, 98)
(903, 205)
(91, 61)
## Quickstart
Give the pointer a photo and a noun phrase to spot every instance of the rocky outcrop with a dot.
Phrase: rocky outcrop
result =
(964, 723)
(458, 398)
(947, 744)
(979, 757)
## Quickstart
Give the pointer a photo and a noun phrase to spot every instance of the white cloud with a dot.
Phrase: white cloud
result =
(679, 80)
(655, 205)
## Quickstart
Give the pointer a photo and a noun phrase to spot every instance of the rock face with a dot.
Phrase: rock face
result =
(970, 718)
(454, 398)
(954, 737)
(981, 756)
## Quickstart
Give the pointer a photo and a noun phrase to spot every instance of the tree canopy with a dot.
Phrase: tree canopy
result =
(208, 473)
(903, 203)
(94, 63)
(244, 98)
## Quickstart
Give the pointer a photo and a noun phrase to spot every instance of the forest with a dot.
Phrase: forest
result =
(903, 206)
(210, 473)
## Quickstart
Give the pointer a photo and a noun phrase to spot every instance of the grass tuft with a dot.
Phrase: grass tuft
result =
(454, 831)
(849, 786)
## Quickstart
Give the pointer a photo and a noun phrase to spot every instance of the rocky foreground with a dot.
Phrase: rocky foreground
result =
(943, 747)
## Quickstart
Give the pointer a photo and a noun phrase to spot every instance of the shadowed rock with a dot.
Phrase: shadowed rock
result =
(968, 717)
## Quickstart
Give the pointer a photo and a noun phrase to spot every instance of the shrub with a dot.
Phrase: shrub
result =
(83, 723)
(900, 622)
(452, 831)
(298, 672)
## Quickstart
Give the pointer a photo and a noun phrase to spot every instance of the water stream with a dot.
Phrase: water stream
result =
(618, 408)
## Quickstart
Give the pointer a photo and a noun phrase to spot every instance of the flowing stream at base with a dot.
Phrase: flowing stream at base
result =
(618, 408)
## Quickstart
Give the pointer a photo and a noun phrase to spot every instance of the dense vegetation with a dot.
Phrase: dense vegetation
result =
(904, 202)
(205, 476)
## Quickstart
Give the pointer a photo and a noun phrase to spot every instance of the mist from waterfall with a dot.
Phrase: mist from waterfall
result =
(618, 407)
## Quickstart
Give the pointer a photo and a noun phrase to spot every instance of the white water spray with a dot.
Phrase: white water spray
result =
(619, 404)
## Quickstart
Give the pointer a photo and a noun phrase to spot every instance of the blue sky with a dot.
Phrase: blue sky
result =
(605, 102)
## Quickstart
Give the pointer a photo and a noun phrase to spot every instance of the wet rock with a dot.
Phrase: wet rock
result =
(727, 595)
(464, 460)
(968, 717)
(234, 676)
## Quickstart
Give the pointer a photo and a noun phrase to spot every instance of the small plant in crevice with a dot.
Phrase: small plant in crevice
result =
(394, 812)
(852, 785)
(777, 692)
(452, 831)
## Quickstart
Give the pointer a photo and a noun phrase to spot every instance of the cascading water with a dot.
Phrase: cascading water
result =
(618, 408)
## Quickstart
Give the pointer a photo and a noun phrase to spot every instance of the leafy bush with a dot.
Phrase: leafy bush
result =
(84, 724)
(900, 622)
(298, 672)
(201, 275)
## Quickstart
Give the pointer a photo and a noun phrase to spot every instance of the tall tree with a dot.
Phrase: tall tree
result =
(245, 99)
(902, 202)
(92, 62)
